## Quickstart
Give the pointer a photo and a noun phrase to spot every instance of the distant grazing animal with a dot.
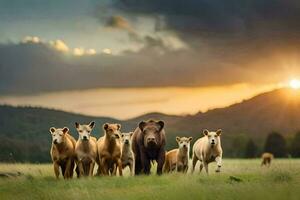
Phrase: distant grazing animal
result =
(62, 151)
(267, 159)
(109, 150)
(86, 149)
(127, 153)
(208, 149)
(148, 144)
(179, 158)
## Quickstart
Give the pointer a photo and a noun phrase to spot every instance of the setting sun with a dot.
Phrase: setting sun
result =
(295, 84)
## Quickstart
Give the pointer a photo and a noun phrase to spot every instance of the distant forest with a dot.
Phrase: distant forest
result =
(25, 136)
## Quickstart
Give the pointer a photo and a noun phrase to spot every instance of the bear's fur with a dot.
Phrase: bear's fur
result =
(148, 144)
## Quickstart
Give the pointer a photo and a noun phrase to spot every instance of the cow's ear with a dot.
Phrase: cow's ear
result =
(65, 130)
(142, 125)
(177, 139)
(76, 124)
(105, 126)
(52, 130)
(190, 139)
(92, 124)
(119, 126)
(205, 132)
(161, 125)
(219, 132)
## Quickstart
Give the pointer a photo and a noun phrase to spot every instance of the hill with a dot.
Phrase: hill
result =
(24, 131)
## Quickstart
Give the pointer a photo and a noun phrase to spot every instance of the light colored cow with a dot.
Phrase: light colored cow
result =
(208, 149)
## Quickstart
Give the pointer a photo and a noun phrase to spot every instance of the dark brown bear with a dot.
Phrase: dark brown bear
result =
(148, 144)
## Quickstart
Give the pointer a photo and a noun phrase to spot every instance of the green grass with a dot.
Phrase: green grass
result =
(240, 179)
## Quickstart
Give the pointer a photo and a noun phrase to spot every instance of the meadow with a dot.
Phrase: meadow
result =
(239, 179)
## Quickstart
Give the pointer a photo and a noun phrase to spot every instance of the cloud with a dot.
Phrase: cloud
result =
(31, 39)
(38, 67)
(60, 45)
(118, 22)
(193, 43)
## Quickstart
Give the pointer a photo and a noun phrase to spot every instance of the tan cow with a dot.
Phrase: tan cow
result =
(86, 149)
(267, 159)
(208, 149)
(127, 153)
(178, 158)
(62, 151)
(109, 150)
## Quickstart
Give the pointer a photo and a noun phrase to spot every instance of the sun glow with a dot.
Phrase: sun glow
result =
(295, 84)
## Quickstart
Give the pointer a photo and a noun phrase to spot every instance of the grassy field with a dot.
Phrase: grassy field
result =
(240, 179)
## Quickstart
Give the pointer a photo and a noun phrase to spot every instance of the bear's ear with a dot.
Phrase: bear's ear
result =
(190, 139)
(142, 125)
(65, 130)
(76, 124)
(131, 133)
(52, 130)
(105, 126)
(92, 124)
(161, 125)
(205, 132)
(177, 139)
(119, 126)
(219, 132)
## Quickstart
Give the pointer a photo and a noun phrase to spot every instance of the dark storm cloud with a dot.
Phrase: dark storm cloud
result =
(228, 42)
(36, 67)
(219, 17)
(118, 22)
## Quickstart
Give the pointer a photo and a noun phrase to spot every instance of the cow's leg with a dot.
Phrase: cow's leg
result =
(104, 166)
(56, 169)
(195, 159)
(91, 170)
(206, 167)
(201, 167)
(131, 168)
(120, 168)
(219, 163)
(179, 167)
(185, 168)
(72, 168)
(81, 169)
(68, 168)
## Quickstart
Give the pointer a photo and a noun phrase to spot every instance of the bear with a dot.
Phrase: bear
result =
(148, 144)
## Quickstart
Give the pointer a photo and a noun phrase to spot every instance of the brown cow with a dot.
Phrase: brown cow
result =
(148, 144)
(62, 151)
(179, 158)
(109, 150)
(127, 153)
(86, 149)
(266, 159)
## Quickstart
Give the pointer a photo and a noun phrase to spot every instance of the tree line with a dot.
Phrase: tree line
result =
(276, 144)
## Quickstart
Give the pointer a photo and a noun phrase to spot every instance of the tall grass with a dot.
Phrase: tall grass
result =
(240, 179)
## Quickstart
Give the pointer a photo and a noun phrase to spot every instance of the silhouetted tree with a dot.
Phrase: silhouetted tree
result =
(295, 145)
(250, 149)
(275, 144)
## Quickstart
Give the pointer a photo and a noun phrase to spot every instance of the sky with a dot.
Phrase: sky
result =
(140, 50)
